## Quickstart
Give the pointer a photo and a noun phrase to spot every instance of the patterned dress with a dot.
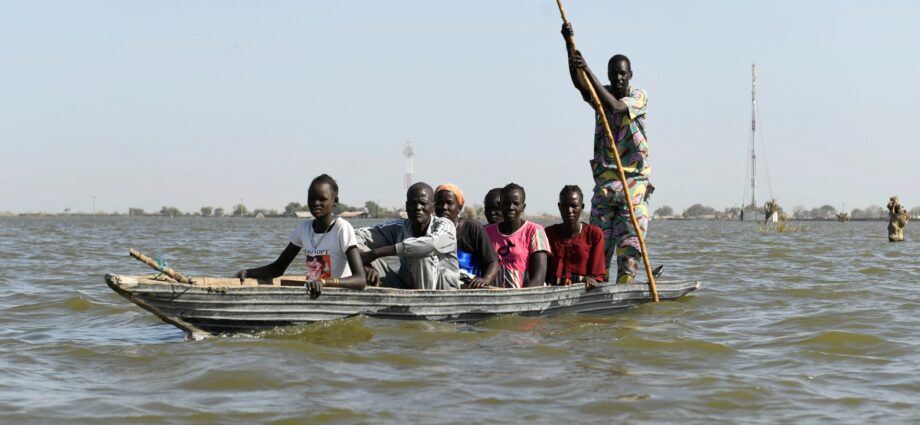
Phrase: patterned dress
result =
(609, 210)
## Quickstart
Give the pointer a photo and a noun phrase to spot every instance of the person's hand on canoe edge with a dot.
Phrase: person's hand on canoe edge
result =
(590, 284)
(371, 276)
(314, 287)
(477, 282)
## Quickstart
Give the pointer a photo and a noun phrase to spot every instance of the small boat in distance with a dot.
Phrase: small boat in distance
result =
(210, 306)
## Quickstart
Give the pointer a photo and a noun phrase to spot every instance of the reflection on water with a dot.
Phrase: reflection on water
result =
(814, 326)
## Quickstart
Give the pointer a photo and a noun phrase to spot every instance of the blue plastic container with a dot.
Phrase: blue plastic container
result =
(465, 259)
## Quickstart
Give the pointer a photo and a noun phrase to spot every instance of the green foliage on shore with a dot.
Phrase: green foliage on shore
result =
(340, 208)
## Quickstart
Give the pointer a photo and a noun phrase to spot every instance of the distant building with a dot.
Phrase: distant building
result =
(749, 213)
(353, 214)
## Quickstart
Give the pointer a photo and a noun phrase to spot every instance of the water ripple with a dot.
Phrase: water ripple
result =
(814, 326)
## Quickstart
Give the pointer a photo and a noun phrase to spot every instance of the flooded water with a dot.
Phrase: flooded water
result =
(814, 326)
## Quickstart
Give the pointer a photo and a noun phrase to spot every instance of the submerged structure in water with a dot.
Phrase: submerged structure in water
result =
(753, 211)
(897, 219)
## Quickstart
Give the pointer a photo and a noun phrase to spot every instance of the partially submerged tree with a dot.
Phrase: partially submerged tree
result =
(170, 212)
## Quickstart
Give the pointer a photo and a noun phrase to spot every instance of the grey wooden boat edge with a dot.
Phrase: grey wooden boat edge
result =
(202, 310)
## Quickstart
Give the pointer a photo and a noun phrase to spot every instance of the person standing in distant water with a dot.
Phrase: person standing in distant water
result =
(625, 107)
(577, 248)
(328, 243)
(426, 246)
(492, 206)
(472, 241)
(521, 245)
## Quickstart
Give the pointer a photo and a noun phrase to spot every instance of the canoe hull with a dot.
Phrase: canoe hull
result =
(221, 308)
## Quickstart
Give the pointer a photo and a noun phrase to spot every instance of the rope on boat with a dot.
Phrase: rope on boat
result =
(159, 265)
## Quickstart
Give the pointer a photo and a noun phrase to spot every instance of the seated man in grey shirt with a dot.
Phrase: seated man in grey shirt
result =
(426, 246)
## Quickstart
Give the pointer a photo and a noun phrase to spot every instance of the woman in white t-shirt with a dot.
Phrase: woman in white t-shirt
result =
(327, 242)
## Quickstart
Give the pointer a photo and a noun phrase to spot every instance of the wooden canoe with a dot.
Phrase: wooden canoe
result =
(219, 305)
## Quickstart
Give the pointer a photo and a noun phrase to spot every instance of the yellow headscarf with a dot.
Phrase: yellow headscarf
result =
(452, 188)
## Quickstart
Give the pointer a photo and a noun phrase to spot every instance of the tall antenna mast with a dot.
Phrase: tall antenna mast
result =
(753, 133)
(409, 152)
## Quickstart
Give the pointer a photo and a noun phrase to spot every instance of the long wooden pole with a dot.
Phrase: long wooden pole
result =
(620, 174)
(156, 266)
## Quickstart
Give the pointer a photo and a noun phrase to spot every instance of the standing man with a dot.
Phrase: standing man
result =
(625, 107)
(426, 246)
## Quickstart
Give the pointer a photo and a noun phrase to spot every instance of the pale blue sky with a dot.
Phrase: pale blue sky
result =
(187, 104)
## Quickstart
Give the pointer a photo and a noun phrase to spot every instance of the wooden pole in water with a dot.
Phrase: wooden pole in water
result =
(179, 277)
(620, 174)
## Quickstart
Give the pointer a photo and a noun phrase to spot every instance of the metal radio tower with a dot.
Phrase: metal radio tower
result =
(409, 152)
(753, 132)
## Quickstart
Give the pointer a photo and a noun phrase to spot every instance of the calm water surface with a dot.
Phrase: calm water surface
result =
(810, 327)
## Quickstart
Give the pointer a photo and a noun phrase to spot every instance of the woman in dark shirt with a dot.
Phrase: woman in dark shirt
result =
(471, 236)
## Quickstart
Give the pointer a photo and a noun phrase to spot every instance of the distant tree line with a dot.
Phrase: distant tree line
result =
(699, 211)
(372, 209)
(824, 212)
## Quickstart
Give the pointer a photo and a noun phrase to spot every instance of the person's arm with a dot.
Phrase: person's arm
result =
(608, 100)
(596, 258)
(376, 236)
(377, 241)
(371, 238)
(485, 253)
(577, 81)
(273, 270)
(536, 269)
(367, 257)
(357, 280)
(442, 240)
(539, 256)
(489, 275)
(597, 271)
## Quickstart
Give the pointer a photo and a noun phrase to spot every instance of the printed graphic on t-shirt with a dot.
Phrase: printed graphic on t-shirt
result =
(319, 264)
(505, 250)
